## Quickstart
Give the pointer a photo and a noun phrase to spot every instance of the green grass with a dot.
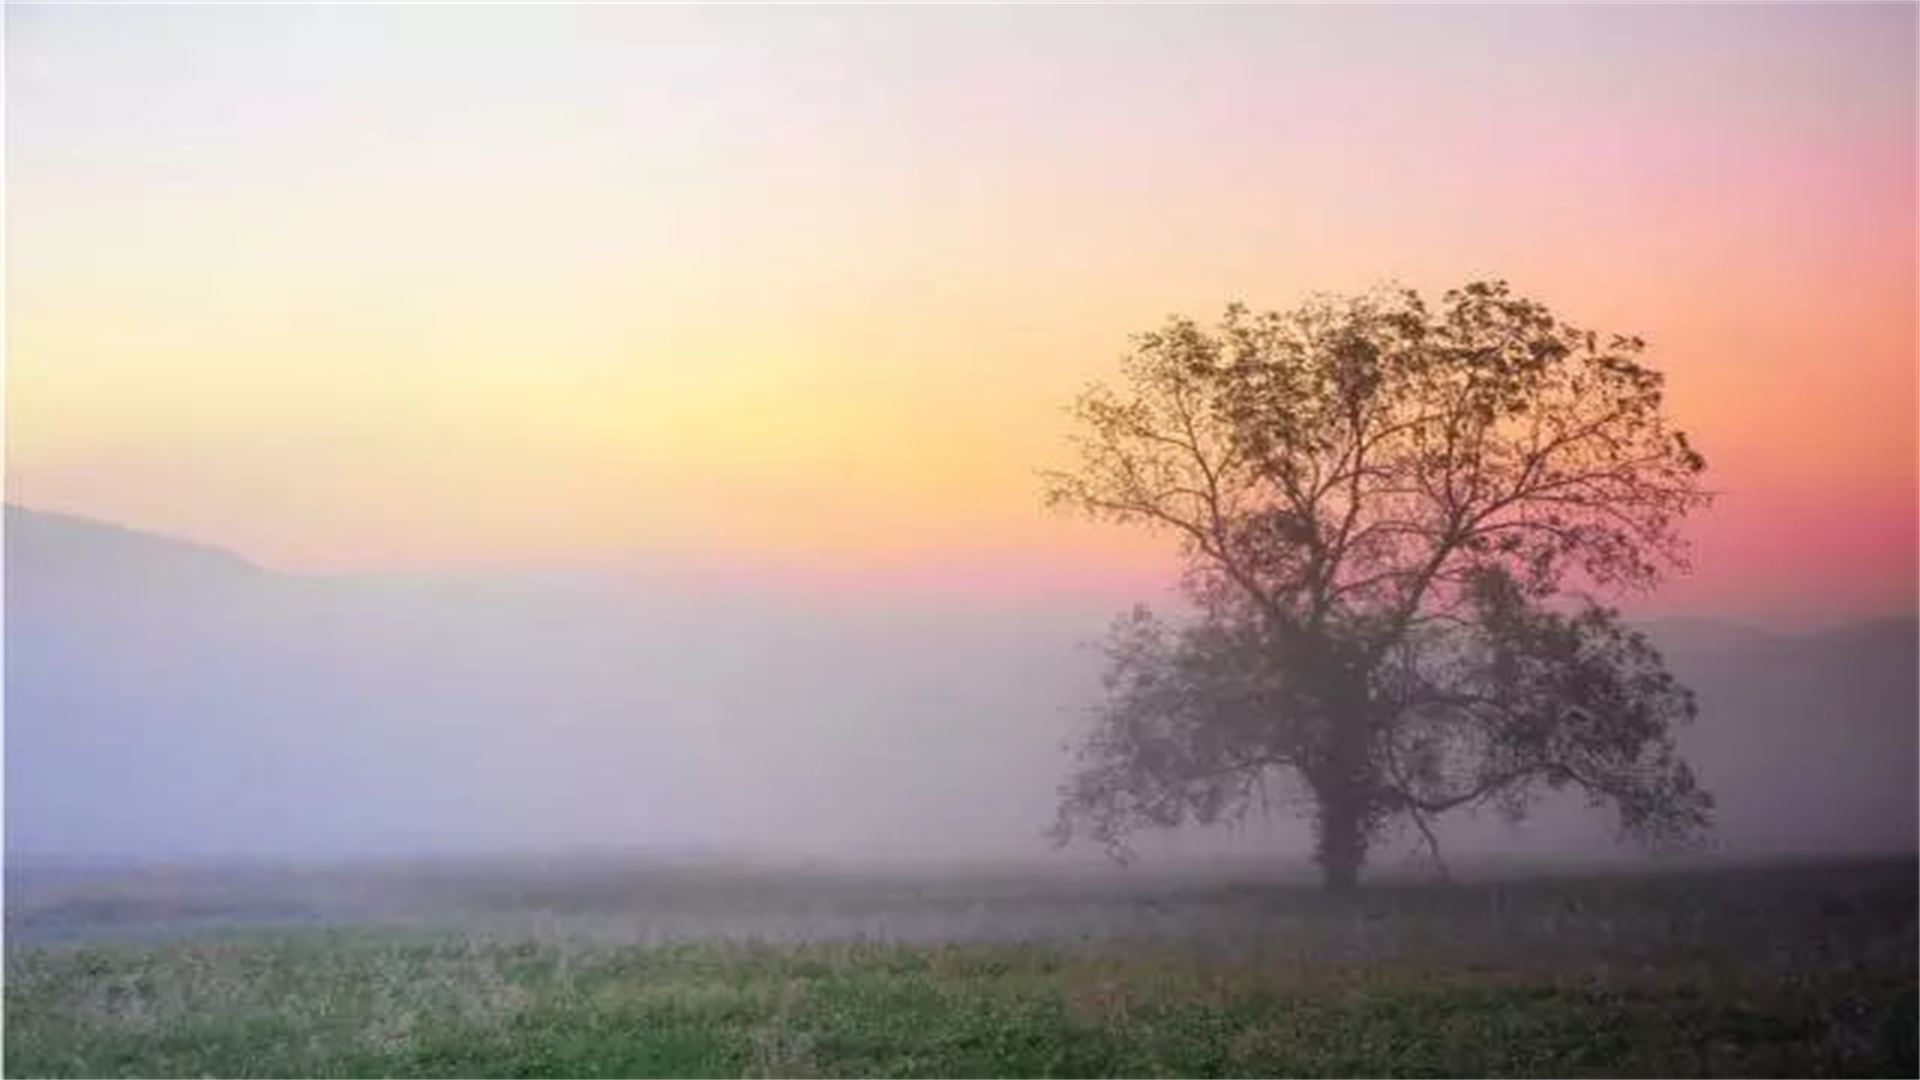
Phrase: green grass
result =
(1809, 973)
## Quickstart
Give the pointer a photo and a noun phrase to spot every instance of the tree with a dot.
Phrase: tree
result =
(1395, 522)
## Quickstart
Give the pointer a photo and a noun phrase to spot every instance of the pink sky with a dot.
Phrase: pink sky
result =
(455, 286)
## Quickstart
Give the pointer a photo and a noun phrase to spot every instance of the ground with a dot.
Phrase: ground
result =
(610, 969)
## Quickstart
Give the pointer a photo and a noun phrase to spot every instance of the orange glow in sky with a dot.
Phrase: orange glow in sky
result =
(343, 287)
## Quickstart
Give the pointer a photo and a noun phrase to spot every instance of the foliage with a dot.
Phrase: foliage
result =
(1392, 519)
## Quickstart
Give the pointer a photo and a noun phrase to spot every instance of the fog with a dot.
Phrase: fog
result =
(168, 699)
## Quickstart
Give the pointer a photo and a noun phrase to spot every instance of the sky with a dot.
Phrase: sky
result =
(806, 290)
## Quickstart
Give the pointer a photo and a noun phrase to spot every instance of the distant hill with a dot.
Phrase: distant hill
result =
(171, 698)
(46, 548)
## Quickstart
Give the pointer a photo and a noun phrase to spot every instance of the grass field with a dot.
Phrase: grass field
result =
(616, 971)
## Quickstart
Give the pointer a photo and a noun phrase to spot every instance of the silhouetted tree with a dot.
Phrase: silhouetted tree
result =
(1391, 517)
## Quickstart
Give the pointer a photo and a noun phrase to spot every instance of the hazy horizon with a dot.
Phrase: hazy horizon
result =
(167, 701)
(1089, 591)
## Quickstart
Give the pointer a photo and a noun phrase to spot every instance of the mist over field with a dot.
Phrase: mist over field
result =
(703, 540)
(168, 700)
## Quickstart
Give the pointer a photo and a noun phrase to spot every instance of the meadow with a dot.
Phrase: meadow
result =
(618, 968)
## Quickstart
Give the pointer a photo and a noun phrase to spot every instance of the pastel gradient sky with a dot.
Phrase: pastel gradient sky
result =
(348, 287)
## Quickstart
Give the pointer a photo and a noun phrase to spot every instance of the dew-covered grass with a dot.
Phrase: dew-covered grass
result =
(1806, 970)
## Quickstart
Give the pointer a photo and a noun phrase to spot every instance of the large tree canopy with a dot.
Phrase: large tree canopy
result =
(1394, 521)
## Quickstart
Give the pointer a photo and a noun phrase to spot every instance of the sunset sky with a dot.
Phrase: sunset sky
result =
(438, 286)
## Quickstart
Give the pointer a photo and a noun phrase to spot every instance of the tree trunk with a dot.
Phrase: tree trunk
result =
(1344, 792)
(1343, 783)
(1343, 842)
